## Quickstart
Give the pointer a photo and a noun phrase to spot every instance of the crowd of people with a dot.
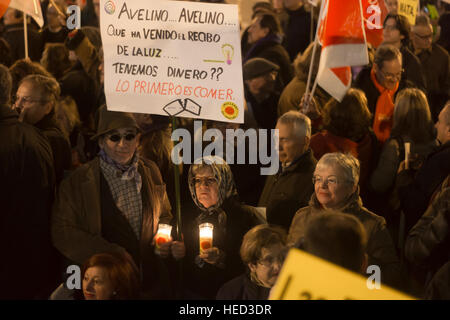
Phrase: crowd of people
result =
(362, 181)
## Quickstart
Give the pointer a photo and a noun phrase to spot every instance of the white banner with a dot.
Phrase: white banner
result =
(173, 58)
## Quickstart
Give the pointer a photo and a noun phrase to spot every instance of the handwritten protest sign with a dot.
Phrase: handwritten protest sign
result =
(306, 277)
(408, 8)
(173, 58)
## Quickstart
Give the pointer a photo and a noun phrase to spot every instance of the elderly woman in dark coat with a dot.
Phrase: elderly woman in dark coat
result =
(336, 187)
(263, 251)
(114, 204)
(214, 193)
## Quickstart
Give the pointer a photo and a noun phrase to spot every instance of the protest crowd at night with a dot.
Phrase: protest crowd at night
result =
(224, 149)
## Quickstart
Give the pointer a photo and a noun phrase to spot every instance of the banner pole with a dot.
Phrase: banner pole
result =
(311, 31)
(176, 170)
(25, 34)
(314, 48)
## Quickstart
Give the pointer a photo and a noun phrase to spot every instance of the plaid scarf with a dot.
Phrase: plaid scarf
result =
(128, 172)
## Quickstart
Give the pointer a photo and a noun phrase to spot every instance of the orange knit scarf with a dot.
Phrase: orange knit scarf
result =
(384, 111)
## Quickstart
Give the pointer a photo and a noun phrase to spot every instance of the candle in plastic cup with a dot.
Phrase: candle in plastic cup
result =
(206, 236)
(163, 235)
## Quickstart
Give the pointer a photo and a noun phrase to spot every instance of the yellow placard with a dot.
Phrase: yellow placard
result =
(408, 8)
(306, 277)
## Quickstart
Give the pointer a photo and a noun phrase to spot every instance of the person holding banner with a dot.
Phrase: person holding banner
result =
(114, 204)
(335, 181)
(292, 94)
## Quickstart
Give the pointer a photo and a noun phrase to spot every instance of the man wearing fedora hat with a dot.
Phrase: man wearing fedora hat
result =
(114, 203)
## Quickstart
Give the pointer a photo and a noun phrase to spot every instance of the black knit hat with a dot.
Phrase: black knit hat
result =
(257, 67)
(113, 120)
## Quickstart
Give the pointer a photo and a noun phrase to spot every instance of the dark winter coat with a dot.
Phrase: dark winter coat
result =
(413, 71)
(81, 227)
(204, 282)
(62, 154)
(270, 48)
(436, 68)
(415, 189)
(287, 191)
(242, 288)
(14, 36)
(364, 82)
(428, 241)
(27, 188)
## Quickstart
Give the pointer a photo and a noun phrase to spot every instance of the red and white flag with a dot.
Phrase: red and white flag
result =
(31, 8)
(341, 34)
(374, 12)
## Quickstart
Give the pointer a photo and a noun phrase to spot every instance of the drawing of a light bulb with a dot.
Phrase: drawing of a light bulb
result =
(228, 52)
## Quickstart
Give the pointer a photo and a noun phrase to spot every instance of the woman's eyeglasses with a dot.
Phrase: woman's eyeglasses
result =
(330, 181)
(270, 260)
(117, 137)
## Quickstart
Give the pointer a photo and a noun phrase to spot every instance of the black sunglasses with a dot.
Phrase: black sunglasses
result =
(117, 137)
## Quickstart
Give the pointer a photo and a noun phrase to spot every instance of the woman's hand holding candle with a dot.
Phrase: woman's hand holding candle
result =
(211, 255)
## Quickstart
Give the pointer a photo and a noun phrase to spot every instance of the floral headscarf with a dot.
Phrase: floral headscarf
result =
(222, 174)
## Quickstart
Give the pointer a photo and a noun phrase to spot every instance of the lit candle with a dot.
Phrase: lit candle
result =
(163, 235)
(206, 236)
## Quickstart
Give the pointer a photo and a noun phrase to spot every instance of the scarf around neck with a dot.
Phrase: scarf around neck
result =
(384, 110)
(128, 171)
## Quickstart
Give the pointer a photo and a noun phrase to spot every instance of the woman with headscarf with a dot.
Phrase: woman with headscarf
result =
(215, 196)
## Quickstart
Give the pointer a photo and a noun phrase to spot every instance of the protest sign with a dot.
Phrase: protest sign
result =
(306, 277)
(408, 8)
(173, 58)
